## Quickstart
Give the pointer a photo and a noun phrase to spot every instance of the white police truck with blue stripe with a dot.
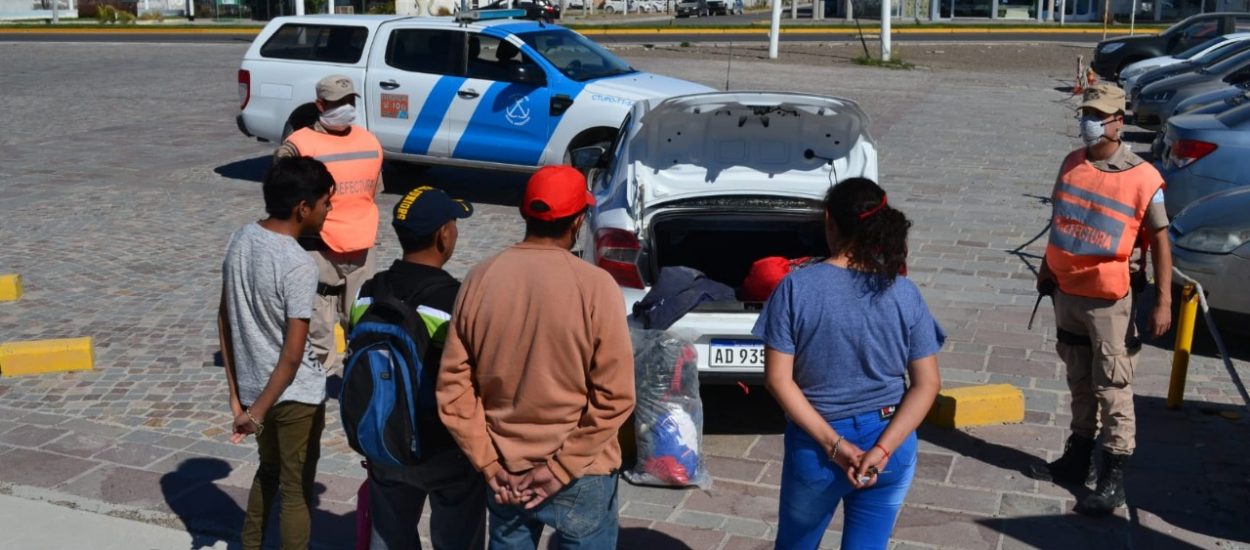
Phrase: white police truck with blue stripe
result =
(492, 93)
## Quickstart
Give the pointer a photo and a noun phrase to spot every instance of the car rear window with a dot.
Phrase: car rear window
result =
(328, 43)
(1235, 117)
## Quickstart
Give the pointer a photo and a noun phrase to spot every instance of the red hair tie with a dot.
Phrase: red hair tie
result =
(865, 214)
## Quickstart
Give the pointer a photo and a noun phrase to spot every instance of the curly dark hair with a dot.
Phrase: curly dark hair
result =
(871, 233)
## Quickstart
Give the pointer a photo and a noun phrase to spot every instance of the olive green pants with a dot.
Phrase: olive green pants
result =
(290, 445)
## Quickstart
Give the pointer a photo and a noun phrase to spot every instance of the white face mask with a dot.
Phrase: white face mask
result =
(1092, 130)
(339, 118)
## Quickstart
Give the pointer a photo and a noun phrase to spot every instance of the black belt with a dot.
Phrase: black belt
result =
(1131, 343)
(331, 290)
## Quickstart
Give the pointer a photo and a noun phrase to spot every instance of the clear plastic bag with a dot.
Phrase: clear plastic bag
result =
(668, 417)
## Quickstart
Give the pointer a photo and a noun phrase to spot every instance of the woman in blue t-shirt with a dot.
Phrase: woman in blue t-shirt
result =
(843, 338)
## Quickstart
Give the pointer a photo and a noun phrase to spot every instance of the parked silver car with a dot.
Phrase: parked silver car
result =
(1198, 54)
(1211, 243)
(1205, 154)
(715, 182)
(1213, 102)
(1155, 103)
(1208, 59)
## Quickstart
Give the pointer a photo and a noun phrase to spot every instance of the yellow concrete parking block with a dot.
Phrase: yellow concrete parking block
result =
(10, 287)
(340, 339)
(43, 356)
(977, 406)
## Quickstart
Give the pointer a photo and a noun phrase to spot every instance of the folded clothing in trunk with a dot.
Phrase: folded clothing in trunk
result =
(677, 291)
(725, 245)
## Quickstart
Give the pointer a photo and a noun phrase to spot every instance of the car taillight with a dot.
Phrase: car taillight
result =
(245, 88)
(1188, 151)
(617, 251)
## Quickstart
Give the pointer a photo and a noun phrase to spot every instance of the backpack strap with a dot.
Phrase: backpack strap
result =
(421, 294)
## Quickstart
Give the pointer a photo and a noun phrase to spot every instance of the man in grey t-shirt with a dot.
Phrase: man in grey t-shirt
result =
(268, 284)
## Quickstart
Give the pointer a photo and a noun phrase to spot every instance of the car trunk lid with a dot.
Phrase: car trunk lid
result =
(750, 143)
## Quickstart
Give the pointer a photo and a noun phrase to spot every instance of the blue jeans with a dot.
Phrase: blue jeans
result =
(812, 486)
(583, 515)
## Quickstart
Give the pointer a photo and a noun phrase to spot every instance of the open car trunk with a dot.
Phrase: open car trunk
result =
(723, 242)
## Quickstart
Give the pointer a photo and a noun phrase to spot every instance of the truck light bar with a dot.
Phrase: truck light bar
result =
(483, 15)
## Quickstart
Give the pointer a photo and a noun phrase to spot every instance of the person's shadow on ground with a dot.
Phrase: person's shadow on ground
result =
(1188, 471)
(213, 513)
(636, 538)
(475, 185)
(208, 514)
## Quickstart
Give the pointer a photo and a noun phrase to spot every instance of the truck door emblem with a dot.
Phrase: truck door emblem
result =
(394, 106)
(518, 112)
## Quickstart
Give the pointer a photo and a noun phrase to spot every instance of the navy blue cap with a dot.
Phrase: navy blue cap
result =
(425, 209)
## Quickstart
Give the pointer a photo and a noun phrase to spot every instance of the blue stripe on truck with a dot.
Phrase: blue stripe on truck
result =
(431, 115)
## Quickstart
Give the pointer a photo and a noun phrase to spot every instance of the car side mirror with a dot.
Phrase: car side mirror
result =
(585, 158)
(527, 74)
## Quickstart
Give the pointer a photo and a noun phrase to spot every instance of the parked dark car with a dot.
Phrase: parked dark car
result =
(701, 8)
(537, 10)
(1114, 54)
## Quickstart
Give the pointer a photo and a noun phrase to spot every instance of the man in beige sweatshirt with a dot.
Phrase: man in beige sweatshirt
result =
(537, 377)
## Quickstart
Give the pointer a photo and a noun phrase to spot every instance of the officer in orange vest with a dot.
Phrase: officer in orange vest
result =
(344, 249)
(1102, 198)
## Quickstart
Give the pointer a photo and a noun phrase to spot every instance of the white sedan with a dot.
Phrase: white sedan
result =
(715, 181)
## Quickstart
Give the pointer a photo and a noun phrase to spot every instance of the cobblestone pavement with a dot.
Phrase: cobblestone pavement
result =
(123, 175)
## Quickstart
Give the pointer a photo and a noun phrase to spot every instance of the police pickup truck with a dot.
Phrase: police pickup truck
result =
(465, 91)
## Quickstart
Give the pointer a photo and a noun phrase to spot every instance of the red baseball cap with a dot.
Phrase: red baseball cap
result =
(555, 192)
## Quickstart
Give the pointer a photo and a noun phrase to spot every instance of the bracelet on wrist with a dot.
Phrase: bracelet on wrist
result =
(833, 455)
(883, 449)
(259, 427)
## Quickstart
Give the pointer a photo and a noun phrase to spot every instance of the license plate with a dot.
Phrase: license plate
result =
(735, 353)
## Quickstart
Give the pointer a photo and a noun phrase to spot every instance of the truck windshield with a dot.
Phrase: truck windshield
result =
(576, 56)
(1224, 51)
(1199, 48)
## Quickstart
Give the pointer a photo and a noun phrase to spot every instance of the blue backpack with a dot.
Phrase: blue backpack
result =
(385, 385)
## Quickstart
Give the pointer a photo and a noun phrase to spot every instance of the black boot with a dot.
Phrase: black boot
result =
(1072, 467)
(1110, 492)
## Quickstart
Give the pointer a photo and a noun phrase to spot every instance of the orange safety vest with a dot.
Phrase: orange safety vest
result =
(355, 160)
(1095, 222)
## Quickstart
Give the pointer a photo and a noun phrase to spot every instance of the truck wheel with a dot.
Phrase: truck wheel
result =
(610, 10)
(303, 116)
